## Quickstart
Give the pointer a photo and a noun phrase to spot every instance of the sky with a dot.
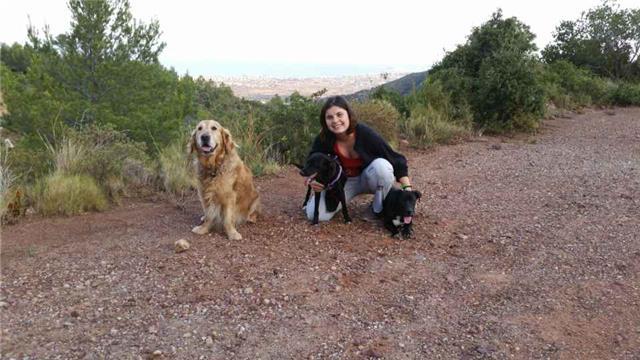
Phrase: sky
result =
(297, 38)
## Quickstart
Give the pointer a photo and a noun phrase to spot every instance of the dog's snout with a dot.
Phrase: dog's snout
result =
(205, 139)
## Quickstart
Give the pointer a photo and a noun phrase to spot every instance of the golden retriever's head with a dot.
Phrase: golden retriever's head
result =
(209, 138)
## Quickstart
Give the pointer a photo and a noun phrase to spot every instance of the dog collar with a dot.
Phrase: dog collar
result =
(335, 181)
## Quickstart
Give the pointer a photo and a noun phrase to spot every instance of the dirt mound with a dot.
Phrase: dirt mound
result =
(530, 249)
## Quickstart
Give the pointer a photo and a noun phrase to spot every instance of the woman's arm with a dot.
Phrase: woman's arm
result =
(405, 183)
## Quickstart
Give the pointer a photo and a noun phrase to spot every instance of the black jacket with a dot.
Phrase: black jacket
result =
(369, 145)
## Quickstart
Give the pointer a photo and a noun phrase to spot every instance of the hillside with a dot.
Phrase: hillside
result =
(403, 85)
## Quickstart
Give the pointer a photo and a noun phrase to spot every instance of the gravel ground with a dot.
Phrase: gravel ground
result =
(525, 247)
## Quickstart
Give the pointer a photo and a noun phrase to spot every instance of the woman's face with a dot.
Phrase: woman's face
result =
(337, 119)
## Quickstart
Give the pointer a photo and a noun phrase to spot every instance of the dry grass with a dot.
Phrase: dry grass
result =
(6, 180)
(381, 116)
(429, 126)
(60, 194)
(176, 175)
(67, 155)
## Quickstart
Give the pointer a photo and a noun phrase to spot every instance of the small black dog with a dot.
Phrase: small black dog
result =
(398, 210)
(326, 169)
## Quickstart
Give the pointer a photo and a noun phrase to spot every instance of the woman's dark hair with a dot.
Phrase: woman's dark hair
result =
(340, 102)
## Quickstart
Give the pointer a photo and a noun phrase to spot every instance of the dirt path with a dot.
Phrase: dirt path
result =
(525, 249)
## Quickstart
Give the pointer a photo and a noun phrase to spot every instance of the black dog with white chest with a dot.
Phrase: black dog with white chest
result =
(326, 170)
(398, 211)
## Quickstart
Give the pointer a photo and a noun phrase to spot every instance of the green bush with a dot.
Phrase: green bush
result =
(428, 126)
(291, 125)
(395, 98)
(494, 73)
(30, 159)
(60, 194)
(626, 94)
(261, 158)
(382, 116)
(507, 89)
(105, 151)
(570, 87)
(443, 93)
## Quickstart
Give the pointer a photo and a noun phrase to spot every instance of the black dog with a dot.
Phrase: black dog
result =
(326, 170)
(398, 210)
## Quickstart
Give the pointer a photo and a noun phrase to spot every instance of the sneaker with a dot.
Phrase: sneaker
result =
(371, 215)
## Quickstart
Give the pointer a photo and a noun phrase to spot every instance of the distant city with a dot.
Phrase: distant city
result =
(263, 88)
(284, 70)
(262, 81)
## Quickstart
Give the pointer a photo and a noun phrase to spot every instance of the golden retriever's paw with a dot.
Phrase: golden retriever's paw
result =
(200, 230)
(234, 235)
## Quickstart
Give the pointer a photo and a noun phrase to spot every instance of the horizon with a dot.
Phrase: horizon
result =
(219, 69)
(287, 40)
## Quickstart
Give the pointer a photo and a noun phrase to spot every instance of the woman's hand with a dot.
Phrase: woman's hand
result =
(315, 186)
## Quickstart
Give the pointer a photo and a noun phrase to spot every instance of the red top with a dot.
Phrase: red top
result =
(351, 166)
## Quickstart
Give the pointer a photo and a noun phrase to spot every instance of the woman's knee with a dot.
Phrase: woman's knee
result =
(382, 170)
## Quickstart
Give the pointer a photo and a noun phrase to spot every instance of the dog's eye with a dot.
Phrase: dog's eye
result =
(214, 128)
(199, 128)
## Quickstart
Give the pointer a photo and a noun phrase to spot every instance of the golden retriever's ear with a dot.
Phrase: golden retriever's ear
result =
(227, 141)
(191, 147)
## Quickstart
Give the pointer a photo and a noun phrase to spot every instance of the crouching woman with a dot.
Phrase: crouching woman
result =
(371, 165)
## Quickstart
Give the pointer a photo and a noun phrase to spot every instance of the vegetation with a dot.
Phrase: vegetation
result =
(176, 174)
(570, 87)
(381, 116)
(7, 180)
(494, 75)
(435, 119)
(67, 195)
(291, 125)
(605, 40)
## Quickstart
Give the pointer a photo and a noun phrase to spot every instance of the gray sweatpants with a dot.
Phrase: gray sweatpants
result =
(377, 179)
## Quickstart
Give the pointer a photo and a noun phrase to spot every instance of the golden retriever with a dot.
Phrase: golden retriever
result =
(225, 185)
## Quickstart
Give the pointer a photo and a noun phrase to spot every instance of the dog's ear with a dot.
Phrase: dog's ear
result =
(227, 141)
(418, 194)
(191, 147)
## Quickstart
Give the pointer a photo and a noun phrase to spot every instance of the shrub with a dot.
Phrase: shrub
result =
(105, 152)
(292, 124)
(507, 89)
(570, 87)
(7, 180)
(442, 94)
(494, 70)
(395, 98)
(428, 126)
(626, 94)
(68, 155)
(176, 175)
(252, 148)
(60, 194)
(30, 159)
(382, 116)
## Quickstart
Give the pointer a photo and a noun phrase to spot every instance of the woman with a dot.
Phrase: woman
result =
(371, 165)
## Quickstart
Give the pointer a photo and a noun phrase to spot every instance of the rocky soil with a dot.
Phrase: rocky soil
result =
(525, 248)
